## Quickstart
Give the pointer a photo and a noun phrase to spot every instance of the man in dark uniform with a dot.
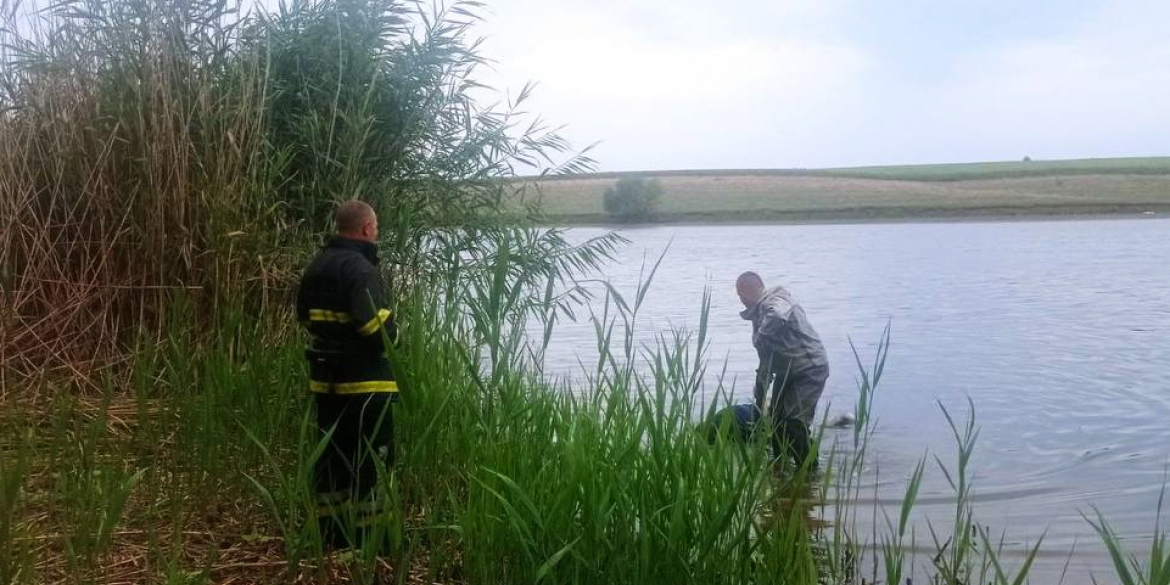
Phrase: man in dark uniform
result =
(792, 360)
(346, 309)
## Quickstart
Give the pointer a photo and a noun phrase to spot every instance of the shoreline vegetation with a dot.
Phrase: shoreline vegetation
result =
(1087, 188)
(165, 168)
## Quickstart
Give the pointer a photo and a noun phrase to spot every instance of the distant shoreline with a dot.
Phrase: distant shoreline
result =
(934, 172)
(960, 192)
(844, 217)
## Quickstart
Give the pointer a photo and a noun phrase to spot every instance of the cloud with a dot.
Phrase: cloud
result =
(780, 84)
(1099, 90)
(787, 83)
(667, 94)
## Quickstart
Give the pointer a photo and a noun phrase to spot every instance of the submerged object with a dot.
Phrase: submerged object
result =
(741, 419)
(841, 421)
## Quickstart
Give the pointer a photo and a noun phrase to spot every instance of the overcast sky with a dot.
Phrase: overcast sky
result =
(673, 84)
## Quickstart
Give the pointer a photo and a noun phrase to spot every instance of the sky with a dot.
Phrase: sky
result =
(688, 84)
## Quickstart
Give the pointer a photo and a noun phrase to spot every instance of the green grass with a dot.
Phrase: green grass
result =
(1078, 187)
(501, 477)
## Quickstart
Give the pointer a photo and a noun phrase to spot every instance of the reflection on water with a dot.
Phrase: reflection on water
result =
(1058, 331)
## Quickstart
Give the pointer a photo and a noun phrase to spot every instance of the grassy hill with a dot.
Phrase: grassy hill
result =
(1040, 188)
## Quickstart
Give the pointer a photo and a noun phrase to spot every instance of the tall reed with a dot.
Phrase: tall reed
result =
(155, 149)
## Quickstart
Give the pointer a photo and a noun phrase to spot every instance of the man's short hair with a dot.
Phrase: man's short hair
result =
(749, 278)
(351, 215)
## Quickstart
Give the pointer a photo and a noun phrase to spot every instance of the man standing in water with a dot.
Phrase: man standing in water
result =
(344, 306)
(792, 361)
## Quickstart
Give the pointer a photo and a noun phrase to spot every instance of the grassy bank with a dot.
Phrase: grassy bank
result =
(1042, 188)
(200, 474)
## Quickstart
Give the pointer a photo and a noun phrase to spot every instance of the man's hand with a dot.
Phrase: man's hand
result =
(763, 377)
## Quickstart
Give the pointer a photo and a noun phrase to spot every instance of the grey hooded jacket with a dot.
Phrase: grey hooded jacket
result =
(780, 329)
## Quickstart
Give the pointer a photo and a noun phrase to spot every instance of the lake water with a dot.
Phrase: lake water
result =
(1058, 331)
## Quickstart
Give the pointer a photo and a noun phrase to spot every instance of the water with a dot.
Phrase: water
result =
(1058, 331)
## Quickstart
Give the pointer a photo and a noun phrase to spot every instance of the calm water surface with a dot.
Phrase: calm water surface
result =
(1058, 331)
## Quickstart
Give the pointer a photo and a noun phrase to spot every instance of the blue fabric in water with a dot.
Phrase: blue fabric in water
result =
(743, 421)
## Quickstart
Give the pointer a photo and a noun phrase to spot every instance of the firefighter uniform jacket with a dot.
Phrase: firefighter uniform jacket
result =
(343, 304)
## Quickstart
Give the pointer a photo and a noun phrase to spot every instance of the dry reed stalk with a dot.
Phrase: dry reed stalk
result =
(112, 206)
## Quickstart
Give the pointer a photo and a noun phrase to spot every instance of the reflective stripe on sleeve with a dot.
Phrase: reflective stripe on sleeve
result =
(325, 315)
(354, 387)
(374, 324)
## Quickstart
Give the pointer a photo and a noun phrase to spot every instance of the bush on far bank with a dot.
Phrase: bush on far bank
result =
(633, 198)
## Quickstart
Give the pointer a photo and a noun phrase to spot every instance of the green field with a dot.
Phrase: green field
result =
(1040, 188)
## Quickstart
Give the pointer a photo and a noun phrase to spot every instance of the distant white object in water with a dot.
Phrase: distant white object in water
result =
(841, 421)
(1147, 213)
